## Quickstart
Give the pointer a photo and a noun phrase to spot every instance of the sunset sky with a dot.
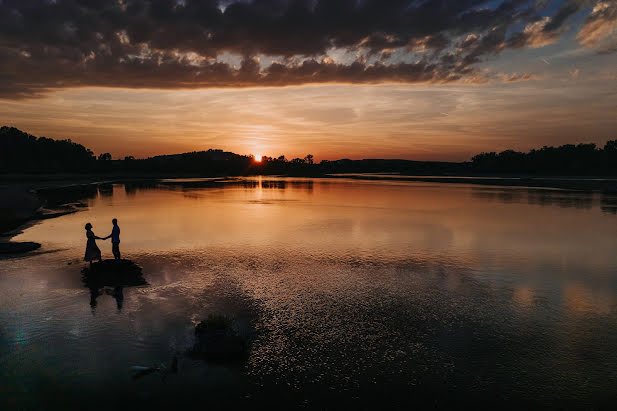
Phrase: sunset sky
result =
(426, 80)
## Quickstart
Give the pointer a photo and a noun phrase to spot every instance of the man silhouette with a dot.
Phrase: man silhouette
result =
(115, 239)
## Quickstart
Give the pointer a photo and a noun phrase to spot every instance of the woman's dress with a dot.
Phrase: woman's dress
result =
(92, 251)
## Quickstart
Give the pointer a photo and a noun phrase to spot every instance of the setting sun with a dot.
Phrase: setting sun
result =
(258, 158)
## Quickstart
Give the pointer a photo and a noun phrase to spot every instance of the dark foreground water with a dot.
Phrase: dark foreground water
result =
(352, 293)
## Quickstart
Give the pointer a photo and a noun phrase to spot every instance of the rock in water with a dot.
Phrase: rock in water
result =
(217, 341)
(113, 273)
(18, 248)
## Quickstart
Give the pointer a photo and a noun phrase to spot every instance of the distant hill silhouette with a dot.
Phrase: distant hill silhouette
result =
(211, 162)
(21, 152)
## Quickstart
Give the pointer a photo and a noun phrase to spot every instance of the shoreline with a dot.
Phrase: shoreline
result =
(23, 203)
(18, 207)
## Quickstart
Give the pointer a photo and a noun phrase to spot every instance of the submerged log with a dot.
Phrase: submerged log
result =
(113, 273)
(217, 341)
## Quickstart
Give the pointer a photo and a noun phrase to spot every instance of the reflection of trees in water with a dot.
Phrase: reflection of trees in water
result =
(106, 190)
(64, 195)
(276, 184)
(131, 188)
(544, 198)
(609, 203)
(502, 196)
(560, 199)
(249, 184)
(303, 185)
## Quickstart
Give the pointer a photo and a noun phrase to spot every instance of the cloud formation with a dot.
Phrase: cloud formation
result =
(600, 28)
(534, 35)
(49, 44)
(516, 77)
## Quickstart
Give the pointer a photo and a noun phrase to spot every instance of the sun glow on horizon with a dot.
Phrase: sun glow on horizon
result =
(257, 158)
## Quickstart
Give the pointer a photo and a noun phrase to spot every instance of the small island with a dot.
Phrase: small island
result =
(113, 273)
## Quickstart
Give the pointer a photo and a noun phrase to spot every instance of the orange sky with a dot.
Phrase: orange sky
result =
(328, 121)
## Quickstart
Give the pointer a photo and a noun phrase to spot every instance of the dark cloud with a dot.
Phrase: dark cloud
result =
(47, 44)
(567, 9)
(543, 31)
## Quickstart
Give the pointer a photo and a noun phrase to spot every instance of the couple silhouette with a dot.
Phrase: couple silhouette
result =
(92, 250)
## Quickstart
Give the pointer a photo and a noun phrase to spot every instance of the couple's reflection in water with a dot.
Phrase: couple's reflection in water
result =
(117, 293)
(111, 277)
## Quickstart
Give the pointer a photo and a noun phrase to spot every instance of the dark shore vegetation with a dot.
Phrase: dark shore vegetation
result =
(566, 160)
(23, 153)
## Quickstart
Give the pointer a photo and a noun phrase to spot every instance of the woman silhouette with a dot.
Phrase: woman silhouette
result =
(92, 251)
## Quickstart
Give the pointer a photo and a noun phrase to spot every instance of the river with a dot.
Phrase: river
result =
(351, 293)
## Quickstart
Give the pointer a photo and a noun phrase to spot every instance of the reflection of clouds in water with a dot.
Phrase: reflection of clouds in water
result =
(574, 297)
(578, 297)
(436, 235)
(524, 296)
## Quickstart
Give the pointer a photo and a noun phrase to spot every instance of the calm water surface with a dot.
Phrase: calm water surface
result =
(358, 293)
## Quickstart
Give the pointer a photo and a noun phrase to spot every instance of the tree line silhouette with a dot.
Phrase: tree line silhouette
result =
(21, 152)
(569, 159)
